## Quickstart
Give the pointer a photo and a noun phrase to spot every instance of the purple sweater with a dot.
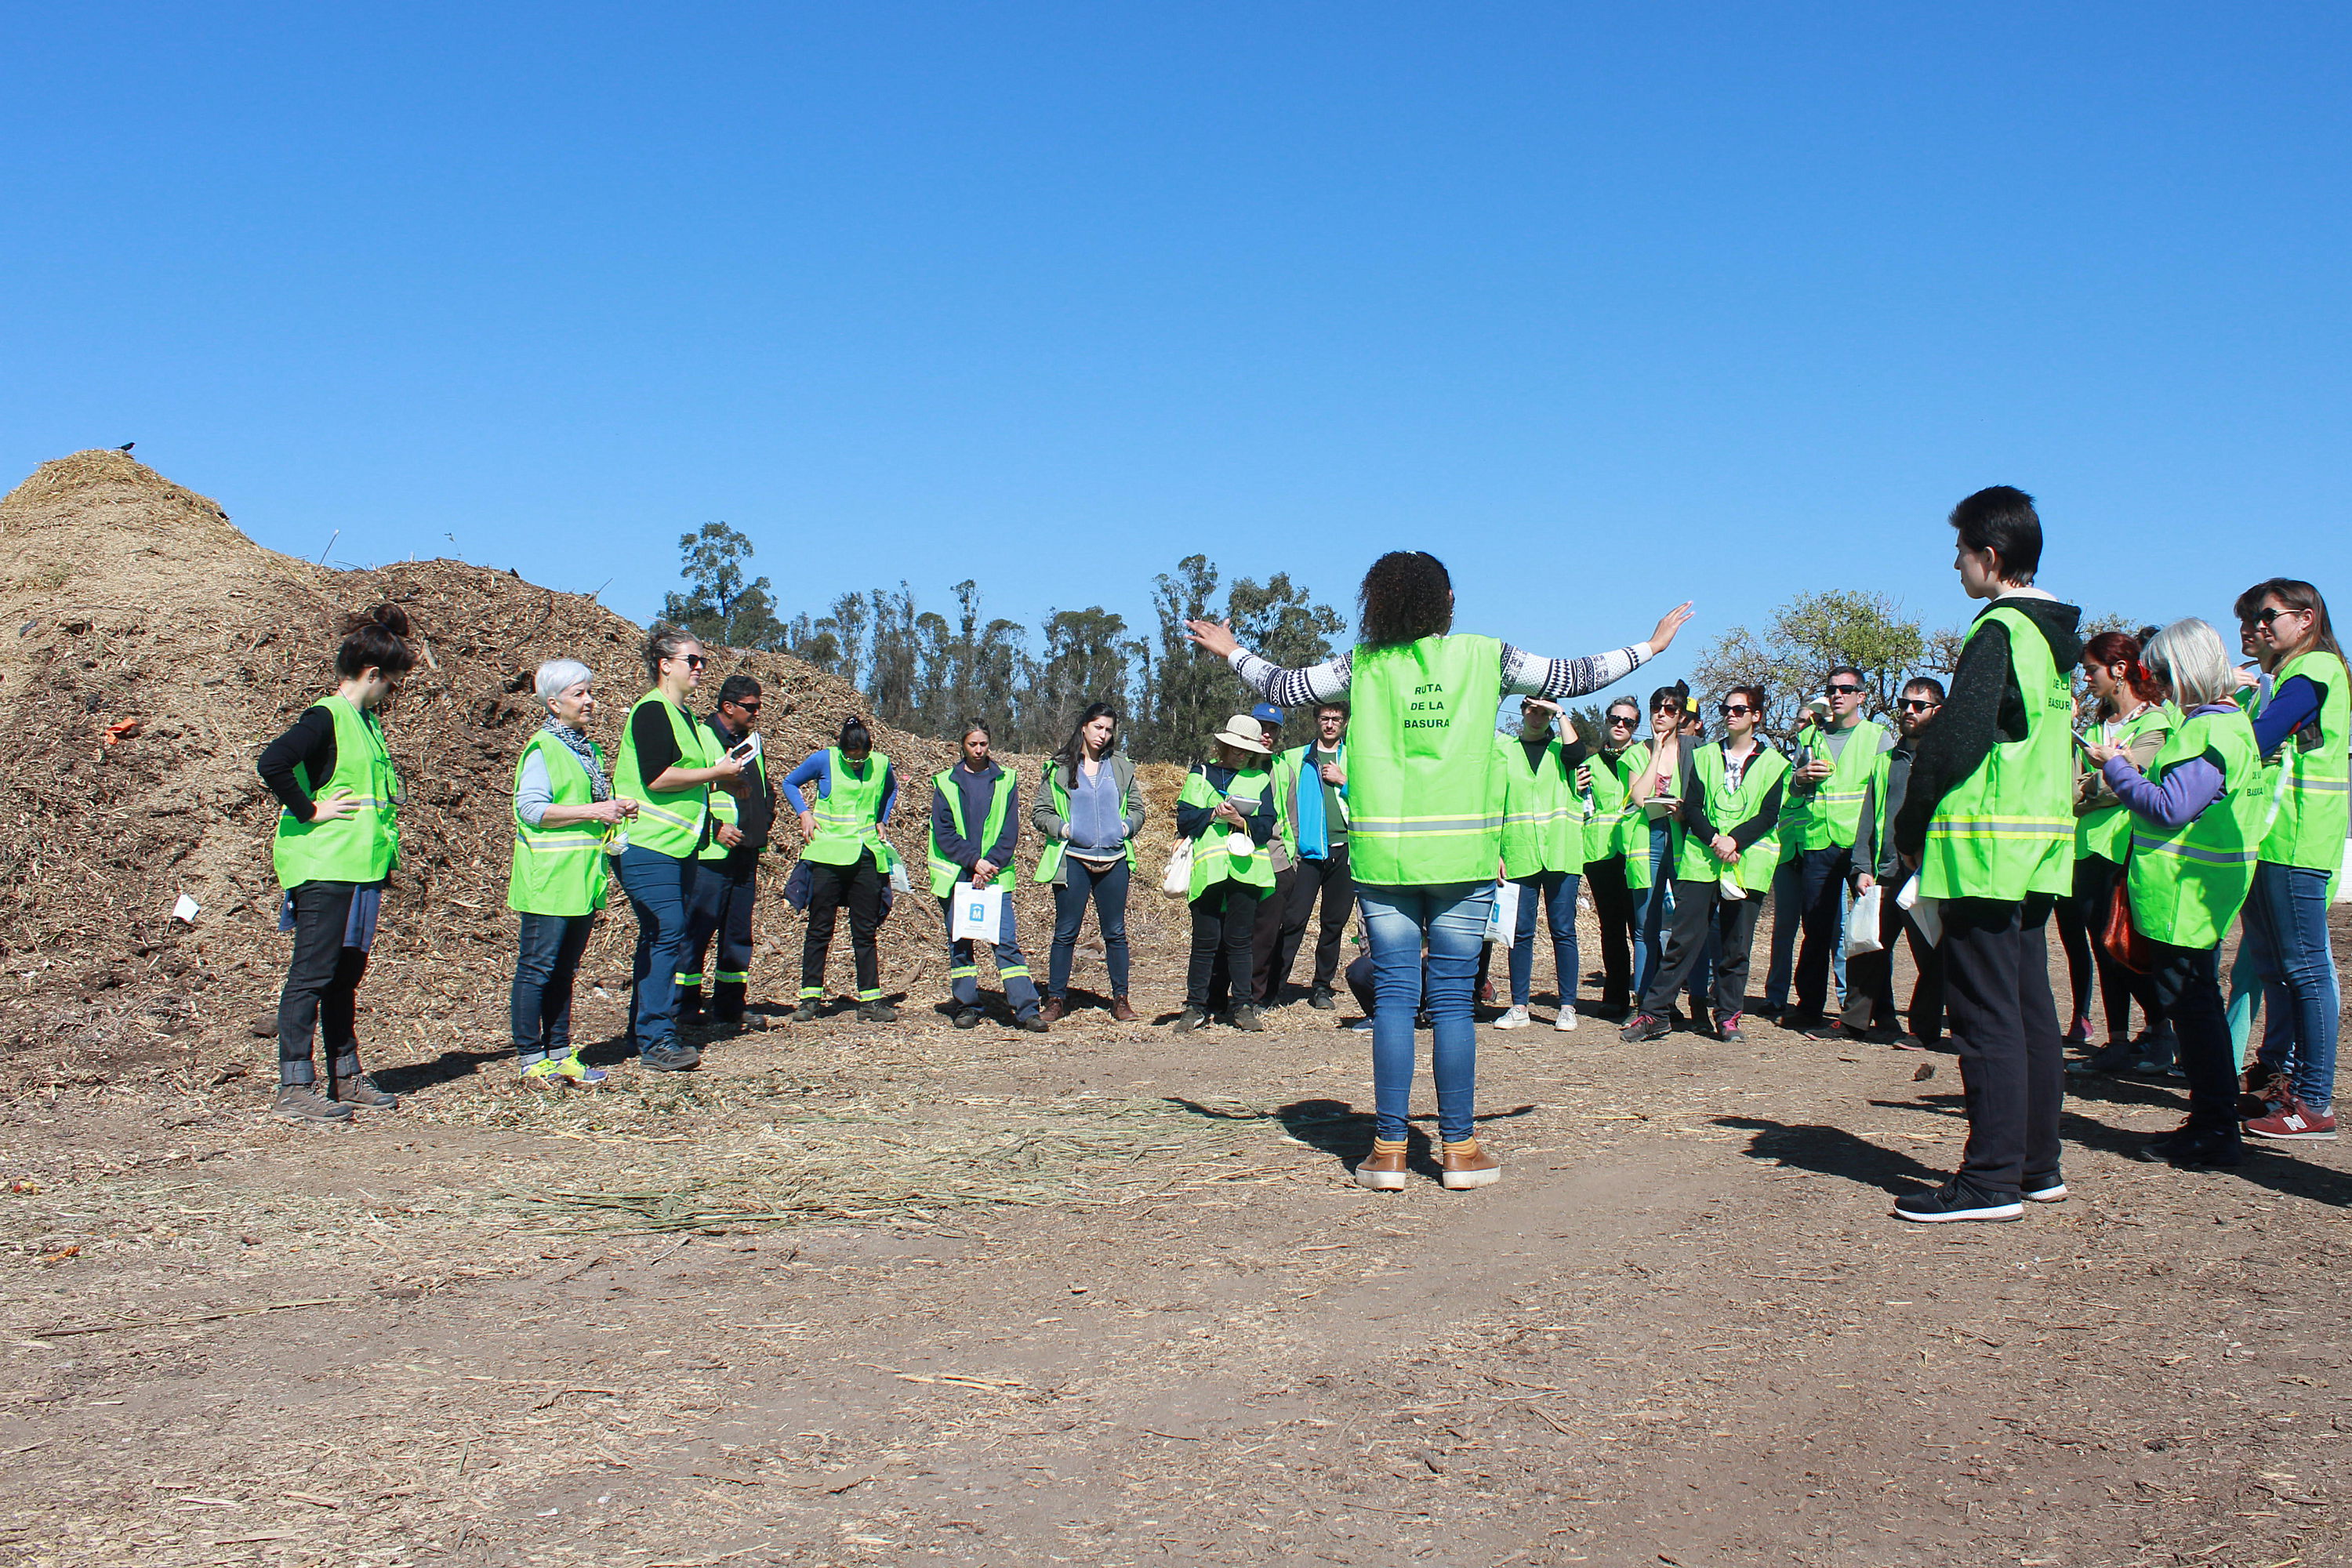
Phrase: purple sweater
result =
(2189, 786)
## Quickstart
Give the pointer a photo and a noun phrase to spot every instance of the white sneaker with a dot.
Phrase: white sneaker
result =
(1360, 1027)
(1517, 1018)
(1567, 1019)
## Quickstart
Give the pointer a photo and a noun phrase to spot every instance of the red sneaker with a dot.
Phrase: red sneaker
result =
(2293, 1121)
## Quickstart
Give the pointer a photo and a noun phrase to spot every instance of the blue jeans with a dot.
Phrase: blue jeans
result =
(1650, 911)
(1787, 899)
(1451, 918)
(1558, 890)
(540, 1006)
(1107, 888)
(660, 887)
(2286, 925)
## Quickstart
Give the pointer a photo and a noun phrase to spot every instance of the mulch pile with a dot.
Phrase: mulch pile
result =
(149, 649)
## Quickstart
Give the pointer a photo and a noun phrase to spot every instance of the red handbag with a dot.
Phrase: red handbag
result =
(2122, 939)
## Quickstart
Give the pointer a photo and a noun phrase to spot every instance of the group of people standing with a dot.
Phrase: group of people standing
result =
(2198, 791)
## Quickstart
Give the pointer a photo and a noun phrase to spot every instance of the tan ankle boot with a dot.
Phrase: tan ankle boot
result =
(1464, 1164)
(1383, 1171)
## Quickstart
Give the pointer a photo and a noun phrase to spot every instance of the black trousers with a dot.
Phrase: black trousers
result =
(1225, 919)
(830, 887)
(2005, 1028)
(322, 982)
(1266, 936)
(1702, 914)
(1613, 901)
(1870, 976)
(2188, 985)
(1330, 879)
(724, 894)
(2082, 920)
(1821, 876)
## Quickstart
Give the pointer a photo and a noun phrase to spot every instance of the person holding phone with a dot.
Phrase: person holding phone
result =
(1227, 809)
(726, 882)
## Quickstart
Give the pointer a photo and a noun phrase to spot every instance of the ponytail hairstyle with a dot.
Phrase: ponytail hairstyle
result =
(1407, 595)
(853, 737)
(2295, 595)
(375, 639)
(1677, 696)
(666, 641)
(2124, 649)
(1074, 750)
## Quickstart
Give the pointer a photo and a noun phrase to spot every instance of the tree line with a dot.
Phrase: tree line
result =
(935, 672)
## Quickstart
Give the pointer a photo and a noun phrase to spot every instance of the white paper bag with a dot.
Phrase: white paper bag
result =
(1503, 919)
(979, 913)
(1927, 915)
(1178, 883)
(1862, 923)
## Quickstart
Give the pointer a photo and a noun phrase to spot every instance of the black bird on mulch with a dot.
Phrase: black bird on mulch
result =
(126, 446)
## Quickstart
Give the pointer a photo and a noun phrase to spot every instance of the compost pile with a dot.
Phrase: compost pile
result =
(149, 649)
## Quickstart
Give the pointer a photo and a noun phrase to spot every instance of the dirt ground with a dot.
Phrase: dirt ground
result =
(858, 1294)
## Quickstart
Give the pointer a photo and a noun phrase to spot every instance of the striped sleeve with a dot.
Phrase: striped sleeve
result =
(1530, 675)
(1325, 682)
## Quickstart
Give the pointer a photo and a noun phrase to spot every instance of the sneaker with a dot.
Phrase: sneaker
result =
(1245, 1017)
(1908, 1041)
(1383, 1169)
(1702, 1019)
(1463, 1165)
(1033, 1024)
(670, 1059)
(1360, 1027)
(2190, 1144)
(1193, 1019)
(1321, 1000)
(2295, 1120)
(2049, 1189)
(2080, 1033)
(1801, 1023)
(303, 1102)
(1834, 1032)
(2114, 1057)
(1567, 1019)
(805, 1013)
(967, 1018)
(877, 1012)
(1958, 1199)
(1517, 1018)
(1728, 1030)
(360, 1090)
(1644, 1026)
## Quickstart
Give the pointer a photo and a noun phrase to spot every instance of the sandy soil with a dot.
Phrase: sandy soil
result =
(883, 1294)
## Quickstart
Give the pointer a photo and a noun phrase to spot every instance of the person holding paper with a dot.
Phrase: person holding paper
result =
(975, 827)
(1227, 809)
(726, 883)
(1727, 816)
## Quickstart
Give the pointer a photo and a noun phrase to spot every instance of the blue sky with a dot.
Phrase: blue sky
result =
(1606, 307)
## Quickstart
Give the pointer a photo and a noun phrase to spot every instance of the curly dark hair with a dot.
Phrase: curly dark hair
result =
(1407, 595)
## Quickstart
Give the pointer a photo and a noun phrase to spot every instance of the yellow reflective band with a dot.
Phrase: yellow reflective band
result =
(812, 993)
(2145, 846)
(647, 808)
(1018, 972)
(555, 841)
(687, 979)
(734, 976)
(964, 971)
(874, 996)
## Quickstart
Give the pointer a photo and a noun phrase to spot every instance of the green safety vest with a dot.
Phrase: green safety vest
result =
(669, 822)
(1831, 816)
(558, 871)
(946, 873)
(1221, 853)
(1604, 834)
(2188, 884)
(1049, 862)
(726, 811)
(1424, 784)
(364, 846)
(1543, 816)
(849, 817)
(2311, 780)
(2106, 832)
(1726, 808)
(1633, 820)
(2007, 829)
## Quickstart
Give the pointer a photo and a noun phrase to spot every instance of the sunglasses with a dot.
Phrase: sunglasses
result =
(1845, 690)
(751, 707)
(2264, 617)
(693, 660)
(1736, 709)
(1629, 720)
(1917, 705)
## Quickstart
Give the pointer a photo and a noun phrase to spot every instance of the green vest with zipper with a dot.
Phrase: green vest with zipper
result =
(2007, 829)
(1604, 834)
(1049, 862)
(668, 822)
(946, 873)
(849, 816)
(558, 871)
(2312, 779)
(364, 846)
(1633, 820)
(1831, 815)
(1543, 815)
(2188, 883)
(1728, 808)
(1424, 784)
(1227, 854)
(2105, 832)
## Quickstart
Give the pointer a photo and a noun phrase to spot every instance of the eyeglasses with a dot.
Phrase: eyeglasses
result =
(1917, 705)
(1844, 691)
(1736, 709)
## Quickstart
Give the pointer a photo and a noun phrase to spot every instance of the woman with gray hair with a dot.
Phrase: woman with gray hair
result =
(564, 811)
(2198, 815)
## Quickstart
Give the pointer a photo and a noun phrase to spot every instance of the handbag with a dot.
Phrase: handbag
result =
(2122, 939)
(1178, 883)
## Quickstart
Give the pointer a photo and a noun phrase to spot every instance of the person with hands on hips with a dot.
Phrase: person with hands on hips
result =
(852, 788)
(975, 827)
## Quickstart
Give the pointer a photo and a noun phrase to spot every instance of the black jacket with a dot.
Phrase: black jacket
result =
(755, 811)
(1983, 708)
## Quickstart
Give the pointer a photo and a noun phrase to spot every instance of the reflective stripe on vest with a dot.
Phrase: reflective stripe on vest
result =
(558, 871)
(669, 823)
(847, 814)
(2007, 829)
(1425, 787)
(1543, 816)
(2310, 786)
(2188, 884)
(1222, 852)
(364, 846)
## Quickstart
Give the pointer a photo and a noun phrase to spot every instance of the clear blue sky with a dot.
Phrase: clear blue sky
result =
(1608, 308)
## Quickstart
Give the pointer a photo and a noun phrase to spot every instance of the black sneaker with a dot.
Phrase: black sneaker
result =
(1644, 1026)
(1957, 1199)
(2049, 1189)
(670, 1059)
(1193, 1019)
(1245, 1017)
(1321, 1000)
(877, 1013)
(2189, 1144)
(805, 1013)
(2114, 1057)
(967, 1018)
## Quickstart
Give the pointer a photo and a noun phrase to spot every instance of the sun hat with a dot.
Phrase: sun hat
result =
(1243, 734)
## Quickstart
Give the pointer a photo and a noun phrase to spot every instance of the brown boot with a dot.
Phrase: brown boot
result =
(303, 1102)
(1120, 1011)
(359, 1089)
(1383, 1171)
(1463, 1165)
(1052, 1010)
